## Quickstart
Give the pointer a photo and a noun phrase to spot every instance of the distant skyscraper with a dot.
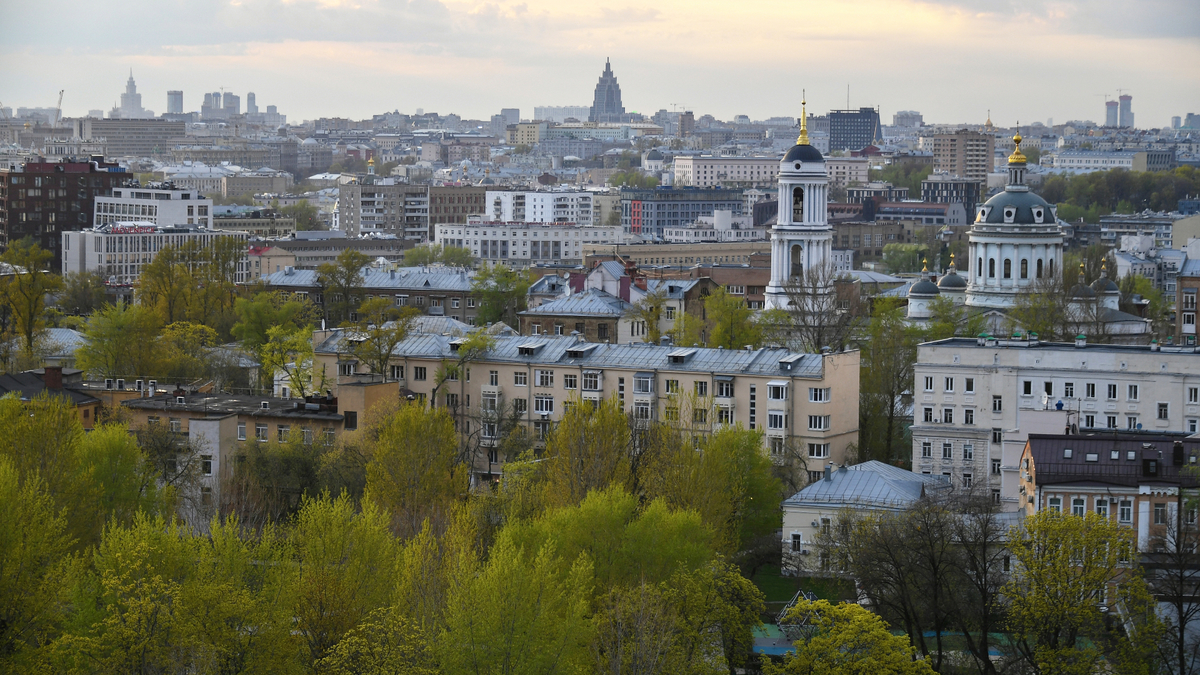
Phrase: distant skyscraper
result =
(251, 106)
(1126, 120)
(511, 115)
(232, 105)
(1110, 113)
(606, 106)
(853, 129)
(907, 118)
(1176, 121)
(131, 102)
(174, 102)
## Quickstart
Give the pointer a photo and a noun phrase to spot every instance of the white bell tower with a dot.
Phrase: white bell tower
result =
(802, 239)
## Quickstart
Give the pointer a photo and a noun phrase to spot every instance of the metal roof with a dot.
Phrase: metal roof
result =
(593, 302)
(1092, 459)
(638, 356)
(871, 483)
(403, 278)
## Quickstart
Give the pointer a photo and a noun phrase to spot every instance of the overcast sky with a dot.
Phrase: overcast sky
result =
(952, 60)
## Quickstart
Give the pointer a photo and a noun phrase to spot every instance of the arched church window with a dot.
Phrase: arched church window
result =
(1024, 268)
(992, 267)
(796, 258)
(1007, 268)
(1039, 268)
(797, 204)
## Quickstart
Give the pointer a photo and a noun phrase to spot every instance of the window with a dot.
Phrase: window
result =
(241, 431)
(966, 480)
(995, 467)
(724, 415)
(947, 415)
(777, 392)
(1160, 514)
(671, 413)
(797, 543)
(1193, 425)
(927, 449)
(591, 381)
(1026, 388)
(643, 384)
(947, 450)
(969, 416)
(1056, 504)
(1069, 389)
(489, 429)
(1048, 387)
(928, 415)
(397, 372)
(1077, 506)
(1111, 422)
(1089, 421)
(1125, 512)
(1102, 508)
(1193, 394)
(306, 435)
(451, 400)
(1133, 392)
(969, 385)
(672, 386)
(351, 420)
(928, 383)
(260, 432)
(282, 430)
(818, 450)
(419, 373)
(206, 496)
(724, 389)
(701, 388)
(494, 378)
(570, 381)
(521, 379)
(1131, 422)
(175, 424)
(1163, 410)
(818, 422)
(778, 420)
(641, 410)
(997, 404)
(997, 436)
(347, 368)
(1112, 392)
(206, 465)
(489, 402)
(949, 385)
(543, 404)
(968, 451)
(602, 331)
(520, 405)
(700, 416)
(1090, 389)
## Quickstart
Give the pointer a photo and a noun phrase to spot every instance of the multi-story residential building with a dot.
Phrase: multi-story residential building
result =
(256, 182)
(649, 255)
(243, 155)
(434, 290)
(121, 250)
(846, 171)
(976, 401)
(543, 206)
(964, 154)
(258, 222)
(1160, 225)
(952, 214)
(42, 200)
(157, 203)
(453, 203)
(805, 404)
(866, 239)
(857, 194)
(373, 205)
(851, 130)
(944, 189)
(907, 118)
(312, 252)
(721, 226)
(1187, 285)
(709, 171)
(264, 260)
(524, 243)
(594, 314)
(649, 212)
(1134, 479)
(133, 137)
(526, 133)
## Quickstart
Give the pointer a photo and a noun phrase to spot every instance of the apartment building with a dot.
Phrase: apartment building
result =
(649, 212)
(944, 189)
(709, 171)
(646, 255)
(158, 203)
(259, 222)
(721, 226)
(453, 203)
(550, 206)
(133, 137)
(844, 171)
(976, 401)
(964, 153)
(1133, 479)
(373, 205)
(805, 403)
(434, 290)
(121, 250)
(520, 244)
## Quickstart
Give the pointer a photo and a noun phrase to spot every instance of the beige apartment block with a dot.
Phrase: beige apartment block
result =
(844, 171)
(709, 171)
(966, 154)
(806, 405)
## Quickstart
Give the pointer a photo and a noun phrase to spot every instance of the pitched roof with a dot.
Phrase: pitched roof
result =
(871, 483)
(432, 277)
(1103, 458)
(592, 302)
(27, 386)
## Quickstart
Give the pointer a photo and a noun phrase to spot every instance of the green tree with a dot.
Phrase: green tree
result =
(845, 639)
(82, 293)
(385, 643)
(26, 288)
(165, 284)
(901, 258)
(258, 314)
(120, 341)
(501, 291)
(587, 450)
(1157, 308)
(412, 473)
(380, 328)
(688, 330)
(950, 319)
(731, 321)
(649, 310)
(289, 350)
(1065, 567)
(341, 284)
(428, 254)
(185, 349)
(889, 355)
(307, 216)
(904, 174)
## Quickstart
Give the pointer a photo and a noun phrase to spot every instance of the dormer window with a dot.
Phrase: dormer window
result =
(1039, 214)
(984, 212)
(1010, 214)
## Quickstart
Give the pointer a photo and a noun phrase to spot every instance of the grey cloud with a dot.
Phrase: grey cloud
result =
(1109, 18)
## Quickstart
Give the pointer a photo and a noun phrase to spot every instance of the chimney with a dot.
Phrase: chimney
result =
(1081, 340)
(828, 472)
(52, 377)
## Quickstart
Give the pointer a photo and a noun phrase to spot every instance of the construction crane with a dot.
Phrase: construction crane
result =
(58, 109)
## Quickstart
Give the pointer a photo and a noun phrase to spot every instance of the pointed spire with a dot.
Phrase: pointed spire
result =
(1082, 276)
(803, 139)
(1104, 269)
(925, 264)
(953, 270)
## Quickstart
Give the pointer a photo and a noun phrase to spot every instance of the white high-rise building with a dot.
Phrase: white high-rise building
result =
(549, 206)
(802, 238)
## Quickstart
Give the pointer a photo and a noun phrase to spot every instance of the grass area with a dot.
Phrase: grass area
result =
(778, 588)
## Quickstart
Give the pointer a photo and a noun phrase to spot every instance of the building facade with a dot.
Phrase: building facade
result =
(649, 212)
(522, 244)
(42, 200)
(160, 205)
(132, 137)
(846, 171)
(606, 103)
(708, 171)
(964, 154)
(543, 206)
(384, 206)
(944, 189)
(434, 290)
(121, 250)
(851, 130)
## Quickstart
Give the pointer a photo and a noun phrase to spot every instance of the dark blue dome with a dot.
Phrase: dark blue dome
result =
(803, 153)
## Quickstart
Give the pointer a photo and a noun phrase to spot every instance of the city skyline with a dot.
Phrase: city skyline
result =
(301, 55)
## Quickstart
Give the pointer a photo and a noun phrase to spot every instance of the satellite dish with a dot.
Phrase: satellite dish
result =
(1139, 426)
(1045, 399)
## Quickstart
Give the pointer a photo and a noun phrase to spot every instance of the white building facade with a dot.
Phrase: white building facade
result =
(522, 243)
(164, 207)
(975, 401)
(550, 206)
(121, 251)
(709, 171)
(721, 226)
